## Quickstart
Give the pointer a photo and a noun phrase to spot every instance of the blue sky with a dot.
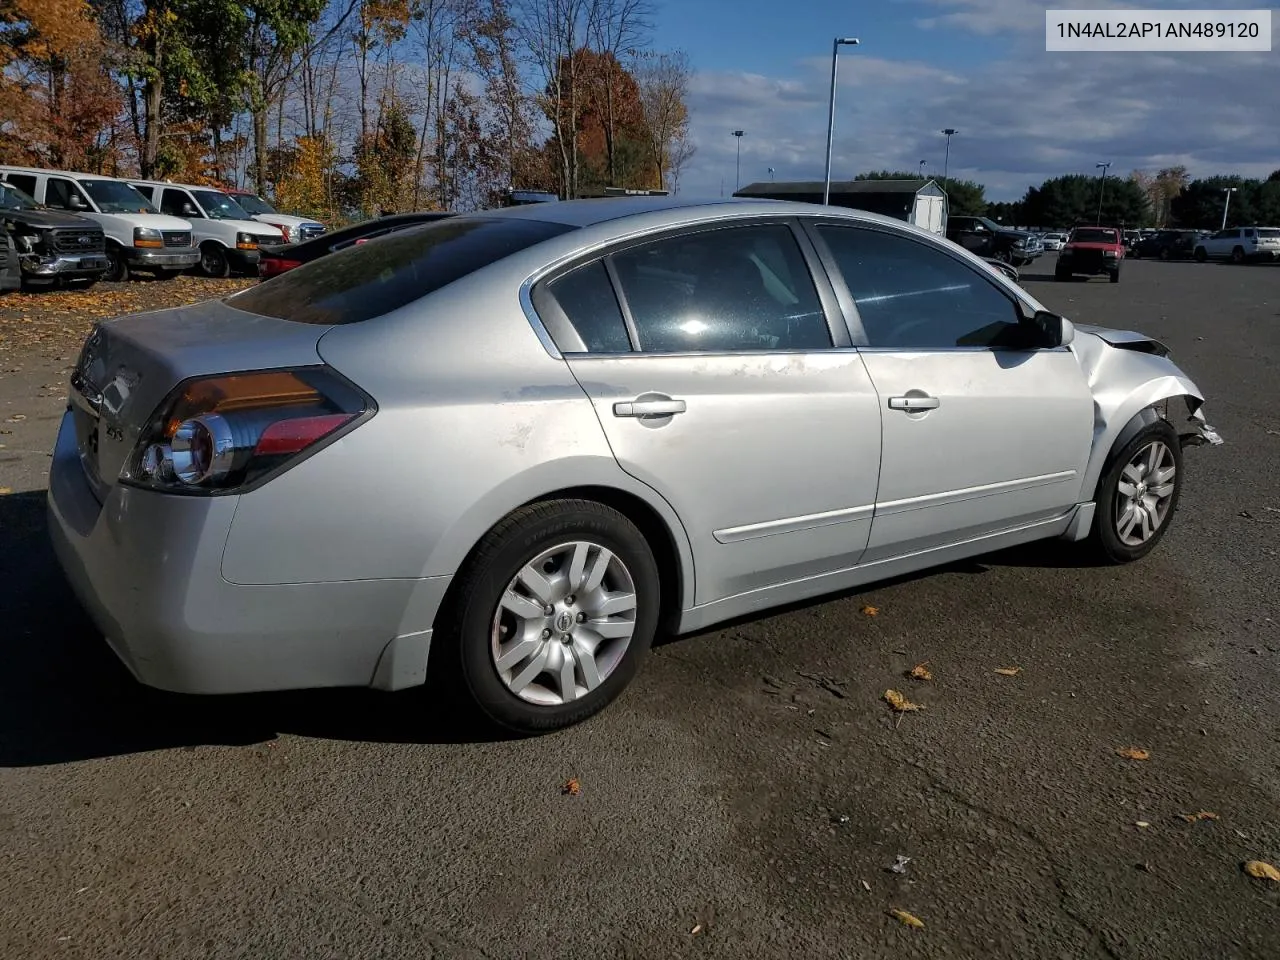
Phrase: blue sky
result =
(976, 65)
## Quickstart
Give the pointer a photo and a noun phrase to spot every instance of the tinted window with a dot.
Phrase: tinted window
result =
(910, 295)
(587, 299)
(739, 288)
(1093, 235)
(218, 206)
(57, 193)
(173, 201)
(146, 191)
(24, 182)
(372, 279)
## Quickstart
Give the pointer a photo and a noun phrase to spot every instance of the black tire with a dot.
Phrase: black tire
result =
(1104, 540)
(464, 634)
(1201, 255)
(118, 267)
(1114, 275)
(1004, 256)
(1164, 253)
(1237, 255)
(1062, 276)
(214, 261)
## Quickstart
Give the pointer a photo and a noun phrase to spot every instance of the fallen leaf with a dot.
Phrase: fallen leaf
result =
(1202, 815)
(921, 671)
(697, 929)
(906, 919)
(866, 886)
(5, 491)
(899, 703)
(870, 611)
(1261, 870)
(1142, 824)
(1008, 671)
(1134, 753)
(571, 787)
(17, 418)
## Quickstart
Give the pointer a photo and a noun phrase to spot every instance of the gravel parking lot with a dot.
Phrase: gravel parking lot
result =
(748, 793)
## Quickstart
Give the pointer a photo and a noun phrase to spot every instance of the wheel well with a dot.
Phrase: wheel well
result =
(650, 524)
(655, 532)
(211, 242)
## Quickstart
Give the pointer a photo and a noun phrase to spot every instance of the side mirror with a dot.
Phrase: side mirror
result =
(1058, 331)
(189, 211)
(76, 203)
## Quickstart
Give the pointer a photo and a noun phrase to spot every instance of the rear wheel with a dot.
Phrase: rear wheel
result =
(553, 615)
(1061, 275)
(1237, 255)
(1201, 255)
(1137, 495)
(1164, 253)
(214, 261)
(1114, 275)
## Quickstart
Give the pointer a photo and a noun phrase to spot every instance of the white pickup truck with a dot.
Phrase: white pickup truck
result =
(1240, 245)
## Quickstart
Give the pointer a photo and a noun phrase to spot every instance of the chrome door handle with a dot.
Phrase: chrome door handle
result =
(911, 404)
(648, 408)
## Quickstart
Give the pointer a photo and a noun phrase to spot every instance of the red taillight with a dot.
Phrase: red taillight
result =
(294, 436)
(228, 433)
(270, 267)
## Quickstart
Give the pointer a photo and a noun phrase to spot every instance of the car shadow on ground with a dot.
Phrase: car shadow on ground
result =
(64, 696)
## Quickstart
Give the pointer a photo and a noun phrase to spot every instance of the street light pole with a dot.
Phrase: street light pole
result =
(1102, 189)
(949, 132)
(737, 177)
(771, 174)
(831, 113)
(923, 164)
(1225, 204)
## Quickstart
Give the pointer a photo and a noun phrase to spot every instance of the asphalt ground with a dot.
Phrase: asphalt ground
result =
(748, 794)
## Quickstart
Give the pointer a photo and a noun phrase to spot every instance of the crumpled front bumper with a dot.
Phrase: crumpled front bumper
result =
(1200, 433)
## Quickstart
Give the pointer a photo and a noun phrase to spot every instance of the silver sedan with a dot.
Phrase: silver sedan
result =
(516, 445)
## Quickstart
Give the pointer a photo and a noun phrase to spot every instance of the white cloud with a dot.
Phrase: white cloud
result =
(1021, 119)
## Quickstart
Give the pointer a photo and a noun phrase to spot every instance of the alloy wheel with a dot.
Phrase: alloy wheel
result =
(564, 623)
(1144, 493)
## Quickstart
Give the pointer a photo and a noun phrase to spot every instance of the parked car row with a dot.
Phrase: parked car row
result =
(988, 239)
(78, 228)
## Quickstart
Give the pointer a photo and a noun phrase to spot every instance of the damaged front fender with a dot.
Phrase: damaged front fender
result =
(1133, 381)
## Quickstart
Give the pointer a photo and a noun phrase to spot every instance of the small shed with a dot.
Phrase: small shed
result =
(919, 202)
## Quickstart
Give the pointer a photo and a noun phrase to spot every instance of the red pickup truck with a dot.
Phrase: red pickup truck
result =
(1091, 251)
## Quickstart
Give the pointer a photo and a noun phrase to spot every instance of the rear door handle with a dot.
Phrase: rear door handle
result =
(914, 403)
(648, 408)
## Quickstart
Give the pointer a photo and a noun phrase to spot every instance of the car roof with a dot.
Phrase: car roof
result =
(170, 183)
(61, 173)
(597, 210)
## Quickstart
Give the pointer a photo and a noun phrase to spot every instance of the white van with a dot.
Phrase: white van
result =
(138, 237)
(295, 229)
(227, 236)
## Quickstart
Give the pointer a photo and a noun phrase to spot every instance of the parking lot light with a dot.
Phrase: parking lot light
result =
(831, 114)
(1225, 204)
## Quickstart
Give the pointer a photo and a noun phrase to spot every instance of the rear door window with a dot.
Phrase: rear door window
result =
(372, 279)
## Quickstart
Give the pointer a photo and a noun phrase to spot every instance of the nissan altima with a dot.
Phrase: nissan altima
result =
(511, 447)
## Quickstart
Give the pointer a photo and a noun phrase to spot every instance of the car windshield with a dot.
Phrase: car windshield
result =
(1094, 236)
(218, 206)
(372, 279)
(11, 198)
(1269, 231)
(254, 205)
(990, 224)
(112, 196)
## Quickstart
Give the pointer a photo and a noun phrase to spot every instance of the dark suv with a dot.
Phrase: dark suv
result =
(989, 239)
(1167, 245)
(51, 246)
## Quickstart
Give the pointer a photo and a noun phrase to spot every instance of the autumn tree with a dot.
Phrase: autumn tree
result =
(615, 27)
(552, 31)
(663, 81)
(384, 160)
(60, 102)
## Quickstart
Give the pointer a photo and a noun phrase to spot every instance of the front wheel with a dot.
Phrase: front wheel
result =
(1115, 275)
(1062, 275)
(1164, 253)
(1237, 255)
(117, 266)
(554, 613)
(1138, 494)
(1201, 255)
(214, 261)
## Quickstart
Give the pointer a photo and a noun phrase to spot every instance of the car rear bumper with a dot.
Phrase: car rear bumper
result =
(147, 568)
(168, 258)
(64, 265)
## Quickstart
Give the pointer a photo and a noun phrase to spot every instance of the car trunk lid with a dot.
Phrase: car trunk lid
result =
(128, 366)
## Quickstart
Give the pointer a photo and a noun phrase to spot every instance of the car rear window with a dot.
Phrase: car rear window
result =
(372, 279)
(1094, 236)
(1269, 231)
